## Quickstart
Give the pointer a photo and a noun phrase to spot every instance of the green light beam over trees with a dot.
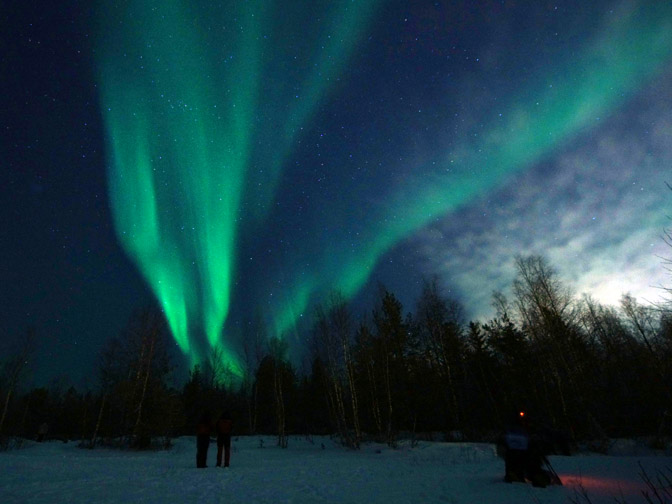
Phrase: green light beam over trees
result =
(177, 120)
(303, 91)
(180, 94)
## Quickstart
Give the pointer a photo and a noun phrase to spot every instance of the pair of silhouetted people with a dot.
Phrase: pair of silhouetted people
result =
(222, 428)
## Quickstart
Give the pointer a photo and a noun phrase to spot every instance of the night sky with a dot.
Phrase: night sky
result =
(239, 160)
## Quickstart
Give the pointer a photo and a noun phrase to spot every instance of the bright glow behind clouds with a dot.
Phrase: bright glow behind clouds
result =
(597, 210)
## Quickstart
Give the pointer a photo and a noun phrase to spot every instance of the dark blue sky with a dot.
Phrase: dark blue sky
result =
(62, 271)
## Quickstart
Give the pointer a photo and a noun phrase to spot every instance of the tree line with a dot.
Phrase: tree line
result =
(588, 371)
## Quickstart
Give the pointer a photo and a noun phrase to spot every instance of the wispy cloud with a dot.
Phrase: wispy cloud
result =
(596, 209)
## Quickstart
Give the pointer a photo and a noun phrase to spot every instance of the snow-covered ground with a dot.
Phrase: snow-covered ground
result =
(321, 471)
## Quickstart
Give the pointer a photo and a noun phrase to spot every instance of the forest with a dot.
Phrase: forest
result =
(583, 371)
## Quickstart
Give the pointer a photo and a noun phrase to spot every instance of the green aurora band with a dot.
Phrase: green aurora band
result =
(300, 91)
(180, 90)
(625, 54)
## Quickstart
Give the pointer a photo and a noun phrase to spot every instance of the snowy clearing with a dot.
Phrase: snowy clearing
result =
(306, 472)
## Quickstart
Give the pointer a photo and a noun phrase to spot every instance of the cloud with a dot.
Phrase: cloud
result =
(596, 209)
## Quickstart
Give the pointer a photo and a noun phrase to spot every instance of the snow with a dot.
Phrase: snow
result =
(307, 472)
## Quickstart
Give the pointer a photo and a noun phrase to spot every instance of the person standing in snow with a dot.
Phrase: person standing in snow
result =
(223, 428)
(525, 454)
(42, 432)
(516, 445)
(203, 440)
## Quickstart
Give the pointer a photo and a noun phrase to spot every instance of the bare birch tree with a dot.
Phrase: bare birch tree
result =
(253, 351)
(278, 351)
(14, 367)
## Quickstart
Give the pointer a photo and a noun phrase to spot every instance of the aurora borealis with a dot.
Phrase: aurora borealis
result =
(179, 161)
(250, 157)
(180, 113)
(180, 86)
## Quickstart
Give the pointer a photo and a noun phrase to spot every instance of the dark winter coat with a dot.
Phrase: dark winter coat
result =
(223, 428)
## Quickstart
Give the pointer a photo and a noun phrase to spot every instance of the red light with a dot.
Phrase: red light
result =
(522, 414)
